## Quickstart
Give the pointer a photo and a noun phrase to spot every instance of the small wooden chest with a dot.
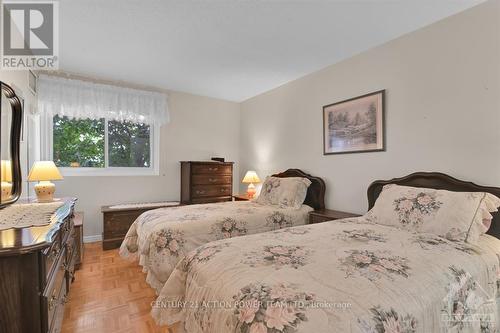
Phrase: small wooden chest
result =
(117, 220)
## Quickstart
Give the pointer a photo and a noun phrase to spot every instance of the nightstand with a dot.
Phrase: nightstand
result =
(317, 216)
(241, 197)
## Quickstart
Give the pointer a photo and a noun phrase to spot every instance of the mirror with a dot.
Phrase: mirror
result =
(11, 115)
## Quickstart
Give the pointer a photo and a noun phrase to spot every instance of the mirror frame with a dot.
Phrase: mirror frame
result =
(15, 137)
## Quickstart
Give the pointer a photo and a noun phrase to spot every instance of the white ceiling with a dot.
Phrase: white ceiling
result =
(230, 49)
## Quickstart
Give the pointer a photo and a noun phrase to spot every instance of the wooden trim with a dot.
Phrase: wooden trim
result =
(439, 181)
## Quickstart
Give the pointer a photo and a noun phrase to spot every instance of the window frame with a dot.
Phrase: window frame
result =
(153, 170)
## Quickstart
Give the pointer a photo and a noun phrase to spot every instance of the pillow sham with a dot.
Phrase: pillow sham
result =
(457, 216)
(284, 192)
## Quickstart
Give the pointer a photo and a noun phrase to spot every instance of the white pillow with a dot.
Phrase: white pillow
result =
(284, 192)
(457, 216)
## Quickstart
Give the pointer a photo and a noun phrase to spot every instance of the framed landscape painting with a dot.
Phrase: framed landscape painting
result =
(355, 125)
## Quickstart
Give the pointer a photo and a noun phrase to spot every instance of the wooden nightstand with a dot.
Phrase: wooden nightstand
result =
(317, 216)
(241, 197)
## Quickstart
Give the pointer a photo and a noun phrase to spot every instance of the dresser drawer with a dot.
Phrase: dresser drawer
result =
(201, 191)
(49, 258)
(212, 180)
(66, 228)
(212, 169)
(211, 200)
(54, 295)
(70, 268)
(70, 246)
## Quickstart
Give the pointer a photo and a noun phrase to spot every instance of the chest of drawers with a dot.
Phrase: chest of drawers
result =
(205, 182)
(37, 266)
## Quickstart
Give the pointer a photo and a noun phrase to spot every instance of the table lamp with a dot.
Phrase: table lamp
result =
(251, 178)
(6, 179)
(44, 172)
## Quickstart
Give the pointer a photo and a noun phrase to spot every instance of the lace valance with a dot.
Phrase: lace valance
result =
(81, 99)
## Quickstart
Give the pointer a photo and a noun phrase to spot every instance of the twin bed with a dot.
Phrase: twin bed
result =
(353, 275)
(161, 238)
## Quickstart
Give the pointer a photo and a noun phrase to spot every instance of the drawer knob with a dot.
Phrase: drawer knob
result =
(200, 192)
(212, 180)
(213, 169)
(55, 251)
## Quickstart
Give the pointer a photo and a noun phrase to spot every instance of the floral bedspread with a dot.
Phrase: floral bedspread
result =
(340, 276)
(160, 238)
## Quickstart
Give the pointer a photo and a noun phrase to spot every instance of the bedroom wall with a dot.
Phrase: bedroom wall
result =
(442, 111)
(200, 128)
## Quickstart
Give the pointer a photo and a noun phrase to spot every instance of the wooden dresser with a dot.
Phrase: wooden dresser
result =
(36, 270)
(117, 220)
(204, 182)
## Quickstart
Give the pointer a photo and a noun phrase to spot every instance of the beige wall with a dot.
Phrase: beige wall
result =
(442, 110)
(200, 128)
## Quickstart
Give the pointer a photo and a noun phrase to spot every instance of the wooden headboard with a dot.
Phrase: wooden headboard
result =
(439, 181)
(315, 197)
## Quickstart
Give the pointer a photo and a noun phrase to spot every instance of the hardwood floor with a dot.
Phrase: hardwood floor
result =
(109, 295)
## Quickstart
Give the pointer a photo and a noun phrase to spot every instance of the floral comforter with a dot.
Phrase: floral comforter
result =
(339, 276)
(160, 238)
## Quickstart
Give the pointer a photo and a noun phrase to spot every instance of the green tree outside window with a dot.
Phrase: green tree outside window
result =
(81, 143)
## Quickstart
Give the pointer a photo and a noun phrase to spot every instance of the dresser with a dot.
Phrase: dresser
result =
(37, 267)
(205, 182)
(117, 219)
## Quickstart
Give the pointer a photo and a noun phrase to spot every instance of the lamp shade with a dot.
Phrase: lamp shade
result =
(251, 177)
(44, 170)
(6, 171)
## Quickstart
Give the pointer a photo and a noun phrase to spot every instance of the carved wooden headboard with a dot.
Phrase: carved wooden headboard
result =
(439, 181)
(315, 197)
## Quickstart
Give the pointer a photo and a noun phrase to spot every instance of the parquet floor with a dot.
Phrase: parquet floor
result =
(109, 295)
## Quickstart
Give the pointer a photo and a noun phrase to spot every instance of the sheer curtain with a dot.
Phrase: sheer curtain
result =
(82, 99)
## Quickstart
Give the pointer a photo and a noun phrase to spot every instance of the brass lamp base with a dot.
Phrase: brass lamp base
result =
(45, 191)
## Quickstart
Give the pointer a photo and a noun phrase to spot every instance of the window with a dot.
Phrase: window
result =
(78, 143)
(90, 128)
(128, 145)
(103, 147)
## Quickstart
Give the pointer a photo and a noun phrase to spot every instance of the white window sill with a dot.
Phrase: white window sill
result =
(96, 172)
